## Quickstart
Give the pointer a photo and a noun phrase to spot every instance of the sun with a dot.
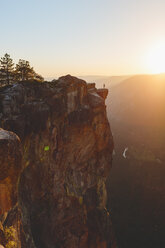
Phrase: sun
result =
(156, 58)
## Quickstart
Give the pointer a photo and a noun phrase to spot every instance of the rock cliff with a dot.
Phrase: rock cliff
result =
(67, 155)
(10, 169)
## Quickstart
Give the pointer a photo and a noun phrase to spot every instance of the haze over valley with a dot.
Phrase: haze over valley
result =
(136, 111)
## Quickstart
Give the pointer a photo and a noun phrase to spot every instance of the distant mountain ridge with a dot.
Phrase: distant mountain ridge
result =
(139, 100)
(109, 81)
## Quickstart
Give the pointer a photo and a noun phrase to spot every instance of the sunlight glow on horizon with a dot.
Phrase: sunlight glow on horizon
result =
(155, 59)
(82, 38)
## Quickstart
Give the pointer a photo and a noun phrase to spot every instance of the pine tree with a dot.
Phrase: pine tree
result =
(39, 78)
(24, 71)
(6, 70)
(1, 77)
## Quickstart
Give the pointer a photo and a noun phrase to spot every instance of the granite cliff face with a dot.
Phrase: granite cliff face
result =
(10, 169)
(67, 155)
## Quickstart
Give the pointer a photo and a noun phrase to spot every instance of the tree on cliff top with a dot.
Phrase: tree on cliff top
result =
(24, 71)
(6, 70)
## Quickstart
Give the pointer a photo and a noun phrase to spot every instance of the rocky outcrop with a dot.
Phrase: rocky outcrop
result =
(67, 155)
(103, 93)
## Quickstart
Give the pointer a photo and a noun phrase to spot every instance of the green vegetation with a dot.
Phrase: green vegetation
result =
(24, 71)
(46, 148)
(21, 72)
(6, 70)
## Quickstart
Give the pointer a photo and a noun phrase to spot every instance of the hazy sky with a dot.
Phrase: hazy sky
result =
(82, 37)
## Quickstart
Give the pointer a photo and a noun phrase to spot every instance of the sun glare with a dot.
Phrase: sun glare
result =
(156, 59)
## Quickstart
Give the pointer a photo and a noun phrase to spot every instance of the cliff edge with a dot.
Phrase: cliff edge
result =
(67, 156)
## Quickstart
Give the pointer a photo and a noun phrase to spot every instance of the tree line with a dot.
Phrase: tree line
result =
(22, 71)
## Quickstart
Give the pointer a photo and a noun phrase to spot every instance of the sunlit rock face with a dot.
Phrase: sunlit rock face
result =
(10, 169)
(67, 156)
(103, 93)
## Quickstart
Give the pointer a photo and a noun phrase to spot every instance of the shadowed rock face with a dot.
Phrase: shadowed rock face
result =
(67, 155)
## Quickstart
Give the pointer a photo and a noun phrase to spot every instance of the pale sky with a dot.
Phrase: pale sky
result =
(84, 37)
